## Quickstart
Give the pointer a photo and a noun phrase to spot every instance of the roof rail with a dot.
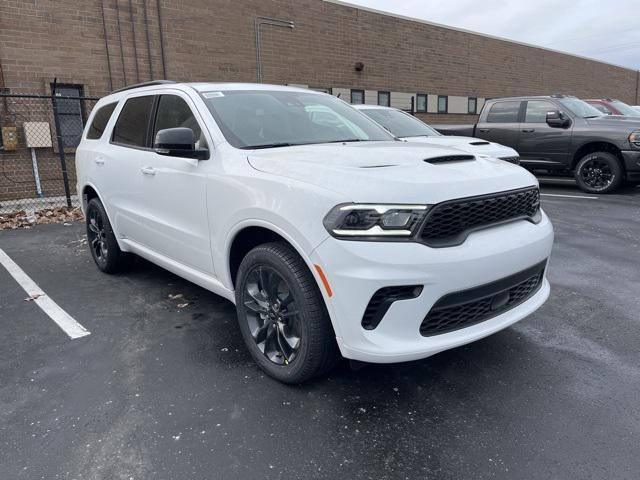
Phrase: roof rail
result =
(143, 84)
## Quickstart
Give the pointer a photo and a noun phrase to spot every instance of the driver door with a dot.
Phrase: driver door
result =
(174, 191)
(539, 144)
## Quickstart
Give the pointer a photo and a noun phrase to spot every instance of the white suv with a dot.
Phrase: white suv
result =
(328, 233)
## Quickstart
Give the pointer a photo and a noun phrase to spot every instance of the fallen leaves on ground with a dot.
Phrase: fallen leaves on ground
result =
(24, 219)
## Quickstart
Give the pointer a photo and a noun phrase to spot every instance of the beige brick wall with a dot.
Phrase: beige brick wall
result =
(214, 40)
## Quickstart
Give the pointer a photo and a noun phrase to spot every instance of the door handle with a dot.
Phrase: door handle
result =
(484, 130)
(528, 130)
(149, 170)
(98, 161)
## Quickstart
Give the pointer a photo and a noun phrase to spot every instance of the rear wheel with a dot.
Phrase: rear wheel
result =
(599, 172)
(102, 241)
(282, 315)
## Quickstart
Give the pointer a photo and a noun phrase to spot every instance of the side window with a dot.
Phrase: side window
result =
(504, 112)
(174, 112)
(421, 102)
(133, 123)
(601, 107)
(100, 120)
(537, 111)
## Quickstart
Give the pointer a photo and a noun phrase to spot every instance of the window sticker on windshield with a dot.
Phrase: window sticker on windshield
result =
(212, 94)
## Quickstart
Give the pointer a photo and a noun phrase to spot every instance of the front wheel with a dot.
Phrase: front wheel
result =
(282, 315)
(599, 172)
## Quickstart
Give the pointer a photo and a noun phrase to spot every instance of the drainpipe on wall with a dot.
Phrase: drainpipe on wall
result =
(258, 21)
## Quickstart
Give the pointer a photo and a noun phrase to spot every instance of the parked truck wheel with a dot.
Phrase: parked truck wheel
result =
(599, 172)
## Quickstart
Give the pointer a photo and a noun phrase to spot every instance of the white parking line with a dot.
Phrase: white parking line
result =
(567, 196)
(65, 321)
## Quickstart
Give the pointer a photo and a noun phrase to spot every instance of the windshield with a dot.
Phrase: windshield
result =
(580, 107)
(399, 123)
(264, 119)
(625, 109)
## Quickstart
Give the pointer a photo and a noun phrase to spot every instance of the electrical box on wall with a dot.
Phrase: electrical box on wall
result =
(9, 138)
(37, 134)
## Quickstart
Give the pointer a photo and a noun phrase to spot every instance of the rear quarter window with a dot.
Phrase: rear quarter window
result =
(504, 112)
(132, 126)
(100, 120)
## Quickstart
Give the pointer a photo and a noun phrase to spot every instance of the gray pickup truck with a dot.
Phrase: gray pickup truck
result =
(561, 134)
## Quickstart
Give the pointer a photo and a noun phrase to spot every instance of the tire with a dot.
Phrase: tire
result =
(282, 315)
(102, 241)
(599, 172)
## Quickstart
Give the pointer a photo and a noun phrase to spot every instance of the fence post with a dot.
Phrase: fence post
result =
(63, 161)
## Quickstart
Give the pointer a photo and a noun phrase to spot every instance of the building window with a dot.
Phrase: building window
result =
(384, 99)
(357, 97)
(472, 105)
(443, 104)
(70, 114)
(421, 102)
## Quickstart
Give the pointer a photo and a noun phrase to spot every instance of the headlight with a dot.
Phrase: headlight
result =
(634, 138)
(355, 220)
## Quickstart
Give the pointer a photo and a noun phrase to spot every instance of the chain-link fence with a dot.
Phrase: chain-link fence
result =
(40, 134)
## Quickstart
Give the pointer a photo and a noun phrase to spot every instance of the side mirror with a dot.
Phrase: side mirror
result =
(557, 119)
(178, 142)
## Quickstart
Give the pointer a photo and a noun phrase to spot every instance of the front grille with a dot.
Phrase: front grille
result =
(449, 223)
(469, 307)
(514, 160)
(382, 300)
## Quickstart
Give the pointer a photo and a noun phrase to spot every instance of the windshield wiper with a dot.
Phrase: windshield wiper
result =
(594, 116)
(268, 145)
(348, 140)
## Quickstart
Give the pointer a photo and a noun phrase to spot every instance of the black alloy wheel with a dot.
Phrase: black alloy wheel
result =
(599, 172)
(97, 237)
(282, 315)
(272, 315)
(102, 241)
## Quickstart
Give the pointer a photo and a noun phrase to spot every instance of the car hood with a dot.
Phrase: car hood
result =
(395, 172)
(615, 120)
(476, 146)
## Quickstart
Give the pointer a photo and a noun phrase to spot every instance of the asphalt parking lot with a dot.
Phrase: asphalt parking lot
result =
(162, 388)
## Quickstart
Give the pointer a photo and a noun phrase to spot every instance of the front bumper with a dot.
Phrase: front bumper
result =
(632, 164)
(356, 270)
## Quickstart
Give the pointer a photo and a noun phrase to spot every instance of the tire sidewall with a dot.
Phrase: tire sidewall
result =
(293, 372)
(613, 163)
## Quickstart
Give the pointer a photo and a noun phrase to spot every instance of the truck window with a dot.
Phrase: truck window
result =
(537, 111)
(504, 112)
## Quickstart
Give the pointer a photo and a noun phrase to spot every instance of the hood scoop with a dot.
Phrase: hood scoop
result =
(479, 143)
(450, 159)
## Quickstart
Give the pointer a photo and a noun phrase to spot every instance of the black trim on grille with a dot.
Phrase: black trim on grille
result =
(448, 224)
(450, 158)
(382, 300)
(468, 307)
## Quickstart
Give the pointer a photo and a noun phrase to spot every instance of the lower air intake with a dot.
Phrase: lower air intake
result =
(469, 307)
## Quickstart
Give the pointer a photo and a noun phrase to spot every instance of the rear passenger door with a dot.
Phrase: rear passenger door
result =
(539, 144)
(501, 124)
(174, 190)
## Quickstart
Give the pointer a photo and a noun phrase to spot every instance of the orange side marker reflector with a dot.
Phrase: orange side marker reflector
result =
(325, 282)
